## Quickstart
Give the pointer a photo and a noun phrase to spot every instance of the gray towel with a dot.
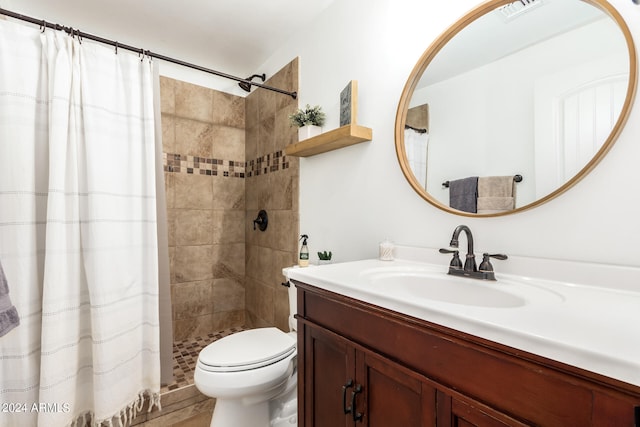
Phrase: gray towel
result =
(8, 314)
(463, 194)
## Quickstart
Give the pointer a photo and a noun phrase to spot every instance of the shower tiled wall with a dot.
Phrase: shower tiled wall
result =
(224, 161)
(204, 153)
(271, 184)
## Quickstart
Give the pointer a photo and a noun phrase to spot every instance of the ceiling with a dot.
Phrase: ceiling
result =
(231, 36)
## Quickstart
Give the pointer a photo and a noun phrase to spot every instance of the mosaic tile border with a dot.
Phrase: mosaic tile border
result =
(180, 163)
(268, 163)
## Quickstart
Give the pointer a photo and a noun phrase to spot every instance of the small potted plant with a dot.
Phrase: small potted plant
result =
(324, 257)
(308, 120)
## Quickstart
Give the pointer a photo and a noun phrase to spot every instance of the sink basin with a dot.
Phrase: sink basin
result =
(568, 311)
(425, 283)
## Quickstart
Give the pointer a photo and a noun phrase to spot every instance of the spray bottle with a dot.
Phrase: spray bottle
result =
(303, 259)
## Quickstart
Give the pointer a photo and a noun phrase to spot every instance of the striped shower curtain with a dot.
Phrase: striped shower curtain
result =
(78, 237)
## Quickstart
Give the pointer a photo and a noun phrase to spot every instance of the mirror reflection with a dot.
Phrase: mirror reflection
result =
(516, 105)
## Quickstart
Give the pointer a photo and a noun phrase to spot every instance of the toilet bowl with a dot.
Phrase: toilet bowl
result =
(253, 376)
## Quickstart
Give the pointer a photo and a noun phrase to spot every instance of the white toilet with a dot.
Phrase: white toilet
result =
(253, 376)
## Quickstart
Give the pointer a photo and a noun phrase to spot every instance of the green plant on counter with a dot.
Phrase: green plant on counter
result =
(308, 116)
(324, 256)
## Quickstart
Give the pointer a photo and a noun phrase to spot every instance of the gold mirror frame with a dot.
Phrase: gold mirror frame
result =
(442, 40)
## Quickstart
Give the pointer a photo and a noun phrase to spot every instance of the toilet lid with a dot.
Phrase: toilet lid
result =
(246, 350)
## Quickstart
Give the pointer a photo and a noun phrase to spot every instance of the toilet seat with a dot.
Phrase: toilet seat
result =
(246, 350)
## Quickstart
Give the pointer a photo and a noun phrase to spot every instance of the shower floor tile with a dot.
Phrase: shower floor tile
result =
(185, 356)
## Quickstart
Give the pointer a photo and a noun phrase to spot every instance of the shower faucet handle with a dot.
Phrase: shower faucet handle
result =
(262, 221)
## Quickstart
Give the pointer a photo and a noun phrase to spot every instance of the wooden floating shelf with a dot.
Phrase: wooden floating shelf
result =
(330, 140)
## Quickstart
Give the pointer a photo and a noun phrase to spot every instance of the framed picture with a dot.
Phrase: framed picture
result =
(349, 103)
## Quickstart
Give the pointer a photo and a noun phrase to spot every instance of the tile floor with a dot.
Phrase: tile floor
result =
(182, 404)
(185, 356)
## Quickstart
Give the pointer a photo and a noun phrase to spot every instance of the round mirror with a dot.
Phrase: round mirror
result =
(515, 103)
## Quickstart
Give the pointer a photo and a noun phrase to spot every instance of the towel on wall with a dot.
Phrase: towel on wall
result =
(496, 194)
(463, 194)
(8, 314)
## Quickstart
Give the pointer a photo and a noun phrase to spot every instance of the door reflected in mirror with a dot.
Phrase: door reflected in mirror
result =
(540, 91)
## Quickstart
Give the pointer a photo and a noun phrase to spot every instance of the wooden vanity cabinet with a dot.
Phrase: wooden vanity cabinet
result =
(345, 384)
(360, 364)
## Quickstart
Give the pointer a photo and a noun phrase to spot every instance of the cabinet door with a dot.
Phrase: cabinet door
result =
(393, 395)
(328, 365)
(455, 412)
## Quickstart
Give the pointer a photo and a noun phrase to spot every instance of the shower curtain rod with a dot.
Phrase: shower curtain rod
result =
(117, 46)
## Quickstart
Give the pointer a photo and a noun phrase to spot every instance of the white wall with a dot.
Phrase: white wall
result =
(352, 198)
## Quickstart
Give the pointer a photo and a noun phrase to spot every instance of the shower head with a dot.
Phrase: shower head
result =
(246, 86)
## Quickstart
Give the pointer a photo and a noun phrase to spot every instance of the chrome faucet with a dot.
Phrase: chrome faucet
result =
(484, 272)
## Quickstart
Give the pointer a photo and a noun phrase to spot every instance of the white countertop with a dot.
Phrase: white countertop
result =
(596, 328)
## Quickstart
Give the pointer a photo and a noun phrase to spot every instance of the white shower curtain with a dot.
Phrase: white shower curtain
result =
(78, 238)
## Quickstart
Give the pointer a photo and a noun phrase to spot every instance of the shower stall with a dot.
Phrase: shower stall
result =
(223, 161)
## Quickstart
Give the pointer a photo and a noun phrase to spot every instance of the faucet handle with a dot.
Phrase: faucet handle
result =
(485, 265)
(455, 261)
